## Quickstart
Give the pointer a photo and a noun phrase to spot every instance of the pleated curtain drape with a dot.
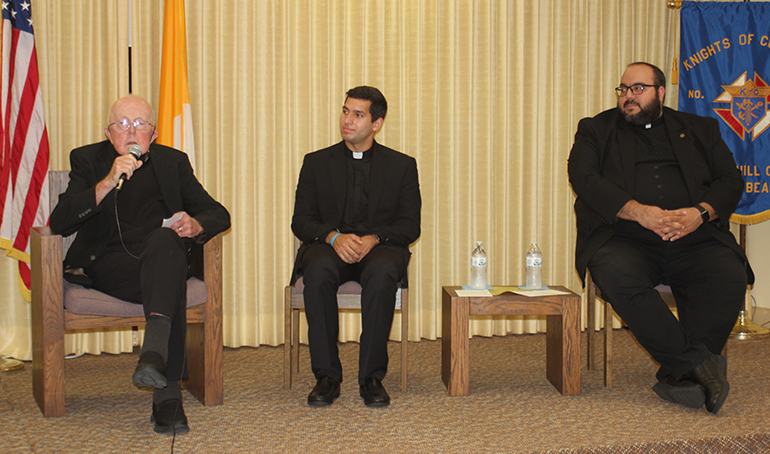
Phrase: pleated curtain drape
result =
(486, 95)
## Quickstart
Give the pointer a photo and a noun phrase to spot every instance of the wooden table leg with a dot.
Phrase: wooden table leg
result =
(455, 354)
(563, 348)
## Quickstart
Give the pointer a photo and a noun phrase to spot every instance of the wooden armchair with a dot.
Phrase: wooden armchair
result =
(58, 306)
(348, 298)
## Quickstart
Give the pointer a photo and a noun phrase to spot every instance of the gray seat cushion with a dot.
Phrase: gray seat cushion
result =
(83, 301)
(348, 288)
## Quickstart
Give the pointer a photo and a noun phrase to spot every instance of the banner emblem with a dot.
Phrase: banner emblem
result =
(748, 106)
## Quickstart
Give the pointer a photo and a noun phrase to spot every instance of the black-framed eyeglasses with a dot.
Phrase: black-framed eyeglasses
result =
(636, 89)
(124, 124)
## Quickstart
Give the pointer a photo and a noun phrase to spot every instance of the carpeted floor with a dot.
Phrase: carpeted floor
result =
(511, 408)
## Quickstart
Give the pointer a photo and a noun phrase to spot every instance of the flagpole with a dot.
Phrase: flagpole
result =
(130, 89)
(745, 328)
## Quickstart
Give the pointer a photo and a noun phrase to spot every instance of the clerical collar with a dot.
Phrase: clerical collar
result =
(659, 121)
(359, 154)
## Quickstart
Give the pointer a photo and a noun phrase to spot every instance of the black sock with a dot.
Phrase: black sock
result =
(156, 335)
(172, 391)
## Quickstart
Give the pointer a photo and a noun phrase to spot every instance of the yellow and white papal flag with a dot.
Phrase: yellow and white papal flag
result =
(174, 111)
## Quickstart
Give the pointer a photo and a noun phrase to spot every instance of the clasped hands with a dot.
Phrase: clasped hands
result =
(350, 247)
(671, 225)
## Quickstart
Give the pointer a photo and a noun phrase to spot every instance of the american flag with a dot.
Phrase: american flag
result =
(23, 138)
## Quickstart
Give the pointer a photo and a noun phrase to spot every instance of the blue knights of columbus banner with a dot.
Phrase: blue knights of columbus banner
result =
(725, 73)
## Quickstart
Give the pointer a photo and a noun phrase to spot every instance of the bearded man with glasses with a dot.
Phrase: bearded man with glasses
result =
(655, 190)
(120, 192)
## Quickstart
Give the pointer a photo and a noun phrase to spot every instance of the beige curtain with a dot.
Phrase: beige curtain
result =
(486, 95)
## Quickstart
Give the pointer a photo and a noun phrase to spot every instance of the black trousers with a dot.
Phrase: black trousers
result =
(157, 280)
(378, 273)
(708, 280)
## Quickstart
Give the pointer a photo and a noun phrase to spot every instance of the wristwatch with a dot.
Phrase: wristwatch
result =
(704, 213)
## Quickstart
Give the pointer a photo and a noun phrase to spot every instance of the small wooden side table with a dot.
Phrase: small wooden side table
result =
(562, 334)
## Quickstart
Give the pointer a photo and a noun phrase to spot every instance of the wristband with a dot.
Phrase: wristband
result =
(704, 213)
(331, 243)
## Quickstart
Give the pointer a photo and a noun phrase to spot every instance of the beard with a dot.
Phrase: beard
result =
(647, 114)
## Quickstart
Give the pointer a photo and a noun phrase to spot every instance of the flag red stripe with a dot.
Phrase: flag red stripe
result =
(32, 201)
(24, 116)
(5, 159)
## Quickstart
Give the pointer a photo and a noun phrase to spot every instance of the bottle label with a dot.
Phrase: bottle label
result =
(534, 261)
(478, 261)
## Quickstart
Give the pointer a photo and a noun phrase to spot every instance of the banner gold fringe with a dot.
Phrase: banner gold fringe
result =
(750, 219)
(22, 257)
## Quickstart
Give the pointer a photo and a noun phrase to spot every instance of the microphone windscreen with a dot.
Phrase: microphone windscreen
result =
(135, 150)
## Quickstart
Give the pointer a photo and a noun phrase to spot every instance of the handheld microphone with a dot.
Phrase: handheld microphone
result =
(135, 151)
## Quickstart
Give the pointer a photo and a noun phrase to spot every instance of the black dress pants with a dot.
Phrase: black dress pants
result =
(708, 280)
(157, 280)
(379, 274)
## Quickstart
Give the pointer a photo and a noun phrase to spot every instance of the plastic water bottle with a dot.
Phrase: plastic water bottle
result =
(534, 266)
(479, 267)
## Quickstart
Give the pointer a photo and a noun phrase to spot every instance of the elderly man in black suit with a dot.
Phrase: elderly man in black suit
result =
(121, 248)
(655, 191)
(357, 209)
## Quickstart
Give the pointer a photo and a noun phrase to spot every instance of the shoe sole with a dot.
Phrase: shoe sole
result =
(149, 377)
(689, 397)
(377, 404)
(319, 403)
(180, 428)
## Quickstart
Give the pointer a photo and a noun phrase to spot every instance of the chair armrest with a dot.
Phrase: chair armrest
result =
(46, 267)
(212, 275)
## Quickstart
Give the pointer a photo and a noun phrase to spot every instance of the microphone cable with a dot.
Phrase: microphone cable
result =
(120, 232)
(179, 402)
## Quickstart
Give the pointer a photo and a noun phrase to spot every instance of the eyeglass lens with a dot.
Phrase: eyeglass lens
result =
(139, 124)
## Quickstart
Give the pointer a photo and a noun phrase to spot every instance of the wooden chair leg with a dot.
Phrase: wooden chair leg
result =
(591, 303)
(48, 385)
(287, 329)
(204, 340)
(204, 363)
(295, 342)
(608, 312)
(404, 338)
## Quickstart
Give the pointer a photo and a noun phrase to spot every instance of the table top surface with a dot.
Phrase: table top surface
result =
(452, 291)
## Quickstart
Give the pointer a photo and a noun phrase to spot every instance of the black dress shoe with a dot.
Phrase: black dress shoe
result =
(150, 371)
(684, 391)
(169, 417)
(374, 393)
(711, 374)
(324, 392)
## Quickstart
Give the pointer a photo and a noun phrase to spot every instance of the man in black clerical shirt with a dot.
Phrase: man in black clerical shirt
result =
(122, 250)
(357, 210)
(655, 191)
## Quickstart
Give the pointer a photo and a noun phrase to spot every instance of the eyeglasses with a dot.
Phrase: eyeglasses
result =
(636, 89)
(124, 124)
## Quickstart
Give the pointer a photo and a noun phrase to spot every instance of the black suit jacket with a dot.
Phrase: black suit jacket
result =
(602, 167)
(394, 197)
(77, 210)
